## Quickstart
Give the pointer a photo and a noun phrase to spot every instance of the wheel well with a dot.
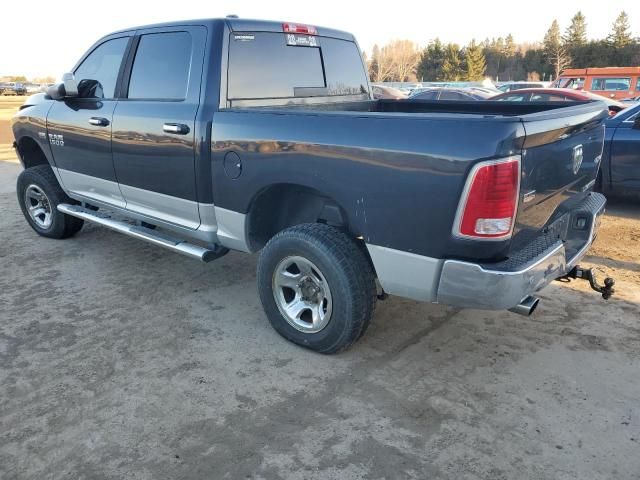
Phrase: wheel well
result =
(284, 205)
(31, 153)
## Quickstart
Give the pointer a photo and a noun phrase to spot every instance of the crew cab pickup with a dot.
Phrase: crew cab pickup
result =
(210, 135)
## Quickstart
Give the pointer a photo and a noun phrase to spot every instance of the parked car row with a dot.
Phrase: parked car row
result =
(12, 88)
(22, 88)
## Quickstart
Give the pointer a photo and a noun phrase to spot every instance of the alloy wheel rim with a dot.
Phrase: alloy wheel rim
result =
(302, 294)
(38, 206)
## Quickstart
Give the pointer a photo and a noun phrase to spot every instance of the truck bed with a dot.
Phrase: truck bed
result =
(405, 162)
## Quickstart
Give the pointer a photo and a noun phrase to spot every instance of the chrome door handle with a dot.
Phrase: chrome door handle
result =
(99, 121)
(177, 128)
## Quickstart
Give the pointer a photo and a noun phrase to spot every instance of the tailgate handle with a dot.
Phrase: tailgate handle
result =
(177, 128)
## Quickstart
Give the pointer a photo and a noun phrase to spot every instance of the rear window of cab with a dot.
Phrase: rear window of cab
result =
(265, 65)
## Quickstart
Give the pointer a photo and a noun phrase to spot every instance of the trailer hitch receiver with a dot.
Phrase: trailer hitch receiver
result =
(578, 272)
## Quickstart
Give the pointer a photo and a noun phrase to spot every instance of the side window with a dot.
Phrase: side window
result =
(445, 95)
(611, 84)
(514, 97)
(427, 95)
(161, 67)
(98, 73)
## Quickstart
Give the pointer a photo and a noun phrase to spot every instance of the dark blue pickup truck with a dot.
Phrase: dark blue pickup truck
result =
(210, 135)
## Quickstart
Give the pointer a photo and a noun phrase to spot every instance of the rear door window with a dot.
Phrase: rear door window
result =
(262, 65)
(611, 84)
(161, 67)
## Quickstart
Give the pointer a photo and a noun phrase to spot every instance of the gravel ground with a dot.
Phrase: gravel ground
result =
(122, 360)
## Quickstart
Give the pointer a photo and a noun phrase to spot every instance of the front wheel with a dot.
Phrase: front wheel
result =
(39, 194)
(317, 287)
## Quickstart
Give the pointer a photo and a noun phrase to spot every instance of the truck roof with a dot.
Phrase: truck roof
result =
(244, 25)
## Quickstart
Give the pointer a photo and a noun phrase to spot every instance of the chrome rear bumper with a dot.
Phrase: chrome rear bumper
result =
(471, 285)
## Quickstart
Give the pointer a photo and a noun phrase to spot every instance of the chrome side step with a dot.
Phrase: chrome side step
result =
(143, 233)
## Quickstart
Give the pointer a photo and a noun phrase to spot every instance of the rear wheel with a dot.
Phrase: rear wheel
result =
(39, 195)
(317, 287)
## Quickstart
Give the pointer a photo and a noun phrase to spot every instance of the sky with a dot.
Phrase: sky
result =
(47, 38)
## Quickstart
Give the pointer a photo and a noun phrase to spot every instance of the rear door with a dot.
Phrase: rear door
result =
(79, 129)
(154, 124)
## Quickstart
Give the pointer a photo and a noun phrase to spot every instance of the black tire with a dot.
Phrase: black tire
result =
(42, 177)
(347, 272)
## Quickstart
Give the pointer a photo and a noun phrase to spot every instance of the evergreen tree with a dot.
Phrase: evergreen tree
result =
(430, 66)
(576, 33)
(509, 49)
(452, 66)
(476, 63)
(620, 36)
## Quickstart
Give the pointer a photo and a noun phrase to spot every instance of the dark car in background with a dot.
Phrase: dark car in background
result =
(455, 94)
(620, 168)
(558, 95)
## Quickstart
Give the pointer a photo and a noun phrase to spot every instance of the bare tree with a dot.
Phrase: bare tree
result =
(396, 61)
(405, 59)
(381, 65)
(555, 49)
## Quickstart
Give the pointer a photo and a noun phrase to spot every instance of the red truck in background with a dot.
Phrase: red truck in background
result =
(611, 82)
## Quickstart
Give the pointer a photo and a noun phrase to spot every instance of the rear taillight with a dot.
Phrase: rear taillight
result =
(489, 201)
(296, 28)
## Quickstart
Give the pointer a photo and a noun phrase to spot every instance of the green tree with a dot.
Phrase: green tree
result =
(620, 35)
(453, 65)
(576, 33)
(431, 61)
(555, 49)
(475, 62)
(509, 49)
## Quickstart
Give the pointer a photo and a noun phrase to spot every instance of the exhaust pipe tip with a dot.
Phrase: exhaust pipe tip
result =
(527, 306)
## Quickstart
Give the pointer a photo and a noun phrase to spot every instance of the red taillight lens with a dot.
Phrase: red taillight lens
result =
(295, 28)
(488, 206)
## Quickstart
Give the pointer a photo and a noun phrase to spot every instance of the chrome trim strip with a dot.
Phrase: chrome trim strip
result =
(465, 194)
(91, 187)
(232, 229)
(406, 274)
(174, 210)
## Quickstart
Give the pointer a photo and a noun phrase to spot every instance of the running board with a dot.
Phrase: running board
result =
(143, 233)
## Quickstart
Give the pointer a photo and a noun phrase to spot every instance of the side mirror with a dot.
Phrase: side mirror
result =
(68, 88)
(636, 123)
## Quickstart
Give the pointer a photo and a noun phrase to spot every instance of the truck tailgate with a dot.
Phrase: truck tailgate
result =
(560, 160)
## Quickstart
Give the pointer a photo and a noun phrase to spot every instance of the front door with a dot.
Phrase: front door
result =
(625, 156)
(79, 129)
(154, 123)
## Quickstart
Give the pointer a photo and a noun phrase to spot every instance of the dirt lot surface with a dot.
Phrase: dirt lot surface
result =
(121, 360)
